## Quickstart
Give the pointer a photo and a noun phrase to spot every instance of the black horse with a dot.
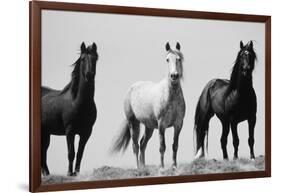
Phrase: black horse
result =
(233, 101)
(71, 111)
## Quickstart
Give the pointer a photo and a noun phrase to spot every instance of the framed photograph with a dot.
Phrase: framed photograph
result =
(123, 96)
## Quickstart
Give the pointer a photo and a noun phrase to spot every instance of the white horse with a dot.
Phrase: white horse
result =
(156, 106)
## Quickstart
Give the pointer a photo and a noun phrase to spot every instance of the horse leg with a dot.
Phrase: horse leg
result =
(225, 132)
(45, 142)
(251, 140)
(70, 137)
(82, 143)
(162, 148)
(135, 131)
(177, 130)
(235, 139)
(143, 143)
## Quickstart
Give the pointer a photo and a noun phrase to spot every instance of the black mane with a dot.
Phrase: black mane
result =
(73, 84)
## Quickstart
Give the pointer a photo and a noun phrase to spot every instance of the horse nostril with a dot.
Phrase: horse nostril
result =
(174, 76)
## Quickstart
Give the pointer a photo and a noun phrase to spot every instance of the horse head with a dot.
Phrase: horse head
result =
(174, 59)
(88, 60)
(246, 59)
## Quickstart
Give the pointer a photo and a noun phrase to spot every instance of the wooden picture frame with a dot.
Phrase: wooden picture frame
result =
(36, 7)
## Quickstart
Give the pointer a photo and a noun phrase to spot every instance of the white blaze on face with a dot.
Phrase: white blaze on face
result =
(174, 63)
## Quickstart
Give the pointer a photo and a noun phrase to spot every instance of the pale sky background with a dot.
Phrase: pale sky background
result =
(131, 49)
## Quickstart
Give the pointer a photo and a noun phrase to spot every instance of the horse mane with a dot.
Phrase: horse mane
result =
(235, 70)
(73, 84)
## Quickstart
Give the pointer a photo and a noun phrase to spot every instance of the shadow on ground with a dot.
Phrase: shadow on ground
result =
(200, 166)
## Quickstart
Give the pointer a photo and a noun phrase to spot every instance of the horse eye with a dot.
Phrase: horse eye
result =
(179, 60)
(167, 59)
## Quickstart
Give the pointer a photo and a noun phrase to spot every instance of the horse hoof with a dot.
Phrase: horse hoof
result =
(45, 173)
(161, 169)
(141, 167)
(69, 174)
(76, 173)
(235, 158)
(199, 154)
(199, 158)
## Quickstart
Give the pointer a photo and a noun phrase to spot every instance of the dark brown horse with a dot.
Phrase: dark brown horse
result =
(233, 101)
(71, 111)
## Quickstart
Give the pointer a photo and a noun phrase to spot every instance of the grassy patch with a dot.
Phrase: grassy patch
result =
(200, 166)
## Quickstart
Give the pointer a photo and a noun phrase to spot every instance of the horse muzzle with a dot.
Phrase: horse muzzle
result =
(174, 76)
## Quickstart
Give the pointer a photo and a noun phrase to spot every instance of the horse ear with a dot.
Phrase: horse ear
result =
(241, 44)
(178, 46)
(83, 47)
(251, 44)
(94, 47)
(168, 46)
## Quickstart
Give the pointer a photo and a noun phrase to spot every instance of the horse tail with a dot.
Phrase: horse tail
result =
(123, 139)
(203, 114)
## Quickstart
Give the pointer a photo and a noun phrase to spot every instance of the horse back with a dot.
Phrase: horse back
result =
(46, 90)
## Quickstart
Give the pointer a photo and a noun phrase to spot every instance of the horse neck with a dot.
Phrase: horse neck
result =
(241, 84)
(173, 90)
(85, 91)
